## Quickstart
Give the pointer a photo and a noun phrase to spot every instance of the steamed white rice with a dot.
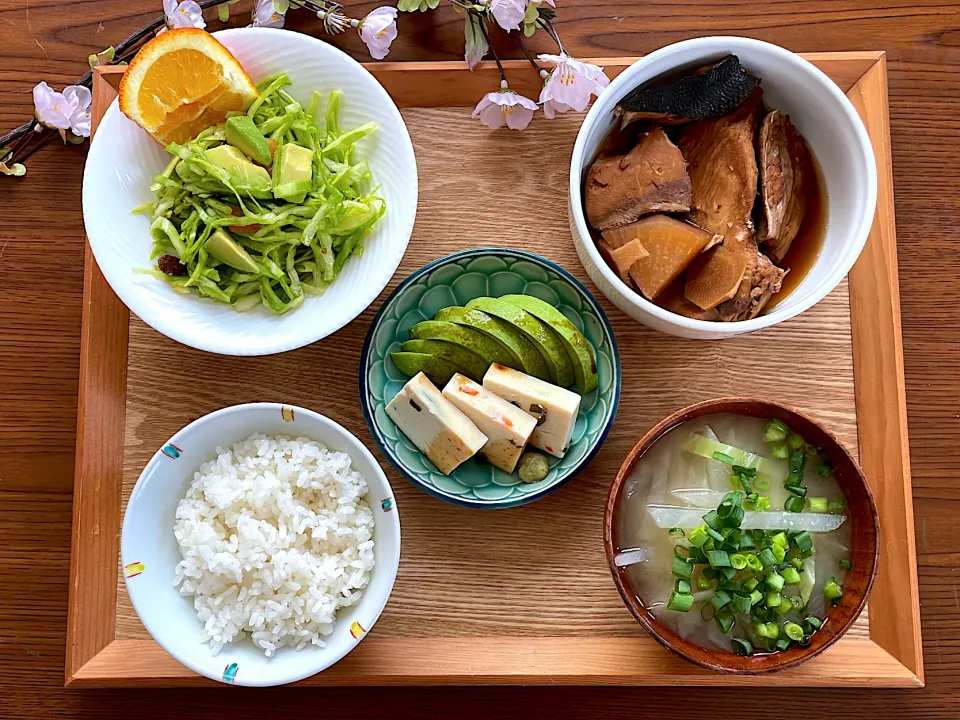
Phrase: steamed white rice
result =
(275, 537)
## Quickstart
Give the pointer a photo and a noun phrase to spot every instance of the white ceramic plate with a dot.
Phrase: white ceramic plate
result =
(149, 551)
(123, 160)
(832, 129)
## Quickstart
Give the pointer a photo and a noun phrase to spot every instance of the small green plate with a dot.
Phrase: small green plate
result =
(455, 280)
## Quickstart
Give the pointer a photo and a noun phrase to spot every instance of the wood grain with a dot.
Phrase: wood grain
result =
(878, 359)
(42, 238)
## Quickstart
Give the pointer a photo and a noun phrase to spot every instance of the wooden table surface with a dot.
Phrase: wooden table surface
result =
(41, 246)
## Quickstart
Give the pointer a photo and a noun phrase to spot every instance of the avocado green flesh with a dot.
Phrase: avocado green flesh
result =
(577, 346)
(244, 135)
(292, 172)
(475, 341)
(243, 174)
(549, 346)
(526, 354)
(475, 367)
(438, 370)
(227, 250)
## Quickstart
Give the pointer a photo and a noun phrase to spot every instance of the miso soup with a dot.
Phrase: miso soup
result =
(732, 532)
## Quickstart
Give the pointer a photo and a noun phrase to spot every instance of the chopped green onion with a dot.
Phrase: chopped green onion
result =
(769, 630)
(723, 457)
(718, 558)
(676, 532)
(824, 468)
(703, 582)
(715, 535)
(798, 490)
(724, 621)
(746, 542)
(780, 539)
(683, 587)
(741, 647)
(755, 597)
(803, 541)
(762, 482)
(837, 506)
(698, 536)
(783, 643)
(707, 611)
(775, 431)
(790, 575)
(738, 561)
(775, 581)
(773, 599)
(762, 503)
(719, 599)
(680, 602)
(713, 520)
(741, 604)
(767, 558)
(845, 564)
(728, 573)
(794, 504)
(795, 442)
(785, 606)
(744, 471)
(681, 568)
(755, 563)
(813, 621)
(793, 631)
(778, 553)
(796, 601)
(751, 584)
(780, 451)
(818, 504)
(832, 590)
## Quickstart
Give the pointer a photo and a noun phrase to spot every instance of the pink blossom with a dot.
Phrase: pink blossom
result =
(378, 30)
(508, 13)
(505, 107)
(570, 85)
(69, 110)
(266, 13)
(184, 14)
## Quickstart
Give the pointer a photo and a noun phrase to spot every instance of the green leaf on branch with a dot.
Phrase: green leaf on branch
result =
(414, 5)
(104, 57)
(15, 170)
(475, 46)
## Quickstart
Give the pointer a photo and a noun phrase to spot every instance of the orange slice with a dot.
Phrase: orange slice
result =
(181, 82)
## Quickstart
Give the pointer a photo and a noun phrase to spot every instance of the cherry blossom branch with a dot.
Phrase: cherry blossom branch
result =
(503, 75)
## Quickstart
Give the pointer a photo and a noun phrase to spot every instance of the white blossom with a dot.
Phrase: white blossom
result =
(508, 13)
(269, 13)
(505, 107)
(378, 30)
(570, 84)
(69, 110)
(184, 14)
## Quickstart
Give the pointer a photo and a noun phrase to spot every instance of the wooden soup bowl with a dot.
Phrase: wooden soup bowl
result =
(861, 511)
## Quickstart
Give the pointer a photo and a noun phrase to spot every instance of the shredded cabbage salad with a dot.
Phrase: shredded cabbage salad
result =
(292, 244)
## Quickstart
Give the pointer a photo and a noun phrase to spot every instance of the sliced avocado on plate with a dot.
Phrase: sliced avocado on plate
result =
(549, 346)
(475, 367)
(473, 340)
(577, 346)
(438, 370)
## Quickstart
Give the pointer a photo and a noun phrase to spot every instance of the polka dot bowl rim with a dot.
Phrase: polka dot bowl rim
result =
(585, 295)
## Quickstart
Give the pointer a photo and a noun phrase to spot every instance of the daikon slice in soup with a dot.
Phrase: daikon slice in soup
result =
(731, 531)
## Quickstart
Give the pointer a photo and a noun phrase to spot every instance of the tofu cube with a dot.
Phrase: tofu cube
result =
(557, 407)
(507, 427)
(441, 432)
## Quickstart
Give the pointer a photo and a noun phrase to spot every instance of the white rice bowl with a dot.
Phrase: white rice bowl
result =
(276, 537)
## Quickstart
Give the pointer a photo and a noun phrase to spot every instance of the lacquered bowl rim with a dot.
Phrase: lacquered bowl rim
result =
(446, 260)
(762, 663)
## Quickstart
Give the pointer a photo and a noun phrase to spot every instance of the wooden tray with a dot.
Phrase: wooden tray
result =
(521, 595)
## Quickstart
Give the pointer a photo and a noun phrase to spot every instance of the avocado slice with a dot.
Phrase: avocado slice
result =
(542, 337)
(292, 172)
(475, 366)
(437, 369)
(244, 135)
(526, 355)
(473, 340)
(227, 250)
(577, 346)
(244, 175)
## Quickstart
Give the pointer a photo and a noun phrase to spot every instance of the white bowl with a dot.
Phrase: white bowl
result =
(821, 113)
(149, 552)
(123, 160)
